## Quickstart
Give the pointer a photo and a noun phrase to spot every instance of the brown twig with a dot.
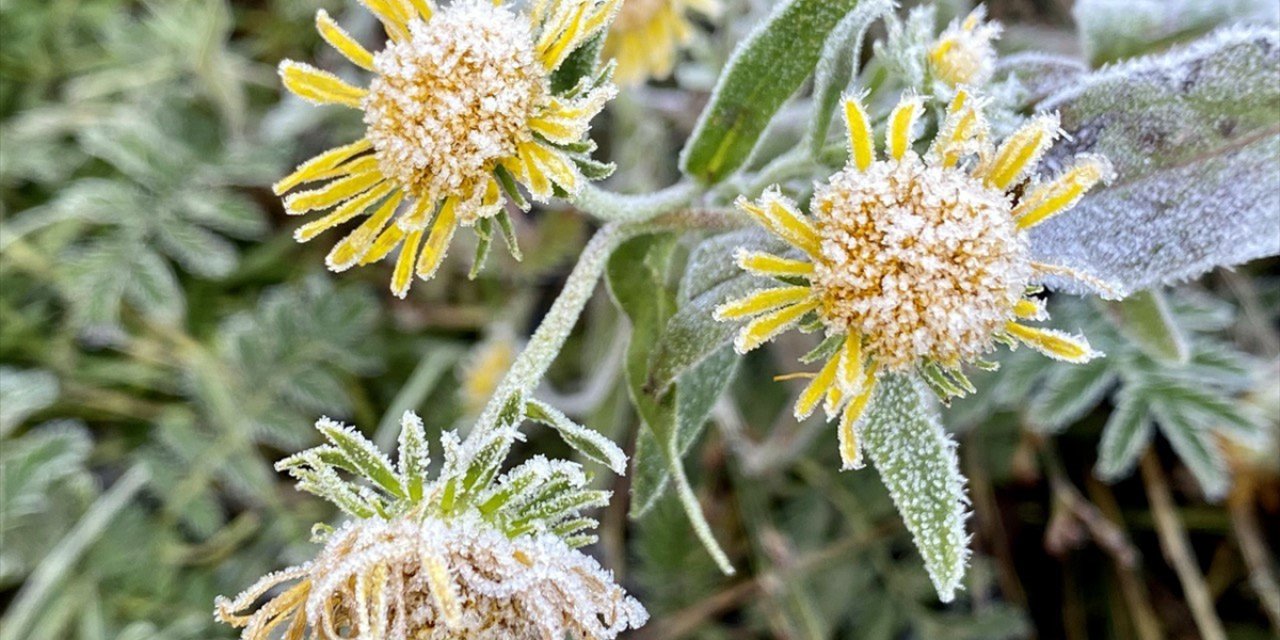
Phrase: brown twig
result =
(1257, 558)
(1146, 624)
(1177, 549)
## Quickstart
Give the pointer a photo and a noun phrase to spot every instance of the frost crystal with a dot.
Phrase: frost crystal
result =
(429, 578)
(1194, 139)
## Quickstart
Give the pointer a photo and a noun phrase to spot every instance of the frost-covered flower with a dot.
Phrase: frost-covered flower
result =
(470, 554)
(913, 263)
(460, 109)
(963, 53)
(648, 34)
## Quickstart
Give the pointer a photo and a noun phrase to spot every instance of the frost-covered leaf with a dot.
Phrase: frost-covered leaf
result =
(1124, 438)
(363, 455)
(1193, 441)
(29, 465)
(917, 461)
(1144, 318)
(1070, 392)
(841, 54)
(22, 393)
(1038, 75)
(590, 443)
(766, 69)
(1194, 135)
(1112, 30)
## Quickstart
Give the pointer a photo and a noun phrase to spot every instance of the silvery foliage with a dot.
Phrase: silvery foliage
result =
(1112, 30)
(1192, 134)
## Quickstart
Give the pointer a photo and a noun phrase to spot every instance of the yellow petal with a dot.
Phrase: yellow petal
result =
(318, 86)
(762, 301)
(1054, 344)
(902, 125)
(349, 209)
(554, 54)
(963, 123)
(850, 448)
(861, 143)
(332, 193)
(849, 375)
(816, 389)
(349, 250)
(555, 166)
(436, 572)
(392, 15)
(1048, 200)
(386, 242)
(767, 264)
(1020, 152)
(1030, 309)
(425, 8)
(342, 41)
(764, 328)
(780, 216)
(402, 277)
(315, 167)
(438, 244)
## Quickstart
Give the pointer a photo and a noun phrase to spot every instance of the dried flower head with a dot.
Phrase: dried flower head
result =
(471, 554)
(460, 109)
(647, 36)
(913, 263)
(963, 53)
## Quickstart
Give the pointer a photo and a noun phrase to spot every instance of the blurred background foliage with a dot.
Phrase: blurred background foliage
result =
(163, 340)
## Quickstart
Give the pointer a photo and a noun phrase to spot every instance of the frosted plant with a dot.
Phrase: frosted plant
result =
(647, 35)
(912, 263)
(469, 554)
(963, 54)
(460, 109)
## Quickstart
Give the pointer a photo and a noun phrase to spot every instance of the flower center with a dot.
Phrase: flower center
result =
(455, 97)
(923, 262)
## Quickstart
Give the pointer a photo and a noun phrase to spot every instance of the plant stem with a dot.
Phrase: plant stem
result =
(1257, 558)
(607, 206)
(1177, 549)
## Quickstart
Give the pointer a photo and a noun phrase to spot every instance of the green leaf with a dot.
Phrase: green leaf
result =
(1124, 438)
(22, 393)
(580, 64)
(1144, 318)
(363, 455)
(836, 67)
(1194, 139)
(692, 335)
(766, 69)
(638, 277)
(1193, 441)
(1112, 30)
(917, 461)
(1069, 393)
(588, 442)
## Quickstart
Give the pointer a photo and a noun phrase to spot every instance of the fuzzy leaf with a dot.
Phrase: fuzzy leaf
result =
(765, 70)
(588, 442)
(1112, 30)
(1144, 318)
(22, 393)
(836, 67)
(917, 461)
(1193, 442)
(363, 455)
(1195, 138)
(1124, 438)
(1070, 392)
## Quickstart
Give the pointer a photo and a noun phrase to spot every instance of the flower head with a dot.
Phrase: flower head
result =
(472, 554)
(459, 110)
(963, 54)
(910, 262)
(648, 34)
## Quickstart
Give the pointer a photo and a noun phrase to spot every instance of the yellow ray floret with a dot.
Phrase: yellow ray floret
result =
(342, 41)
(768, 326)
(849, 375)
(347, 252)
(902, 126)
(816, 390)
(320, 87)
(1054, 344)
(964, 123)
(347, 211)
(1030, 309)
(441, 233)
(850, 447)
(1047, 200)
(781, 217)
(316, 167)
(762, 301)
(767, 264)
(861, 143)
(1021, 151)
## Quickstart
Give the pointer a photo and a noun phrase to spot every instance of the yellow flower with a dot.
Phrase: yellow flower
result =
(912, 263)
(460, 108)
(648, 34)
(963, 54)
